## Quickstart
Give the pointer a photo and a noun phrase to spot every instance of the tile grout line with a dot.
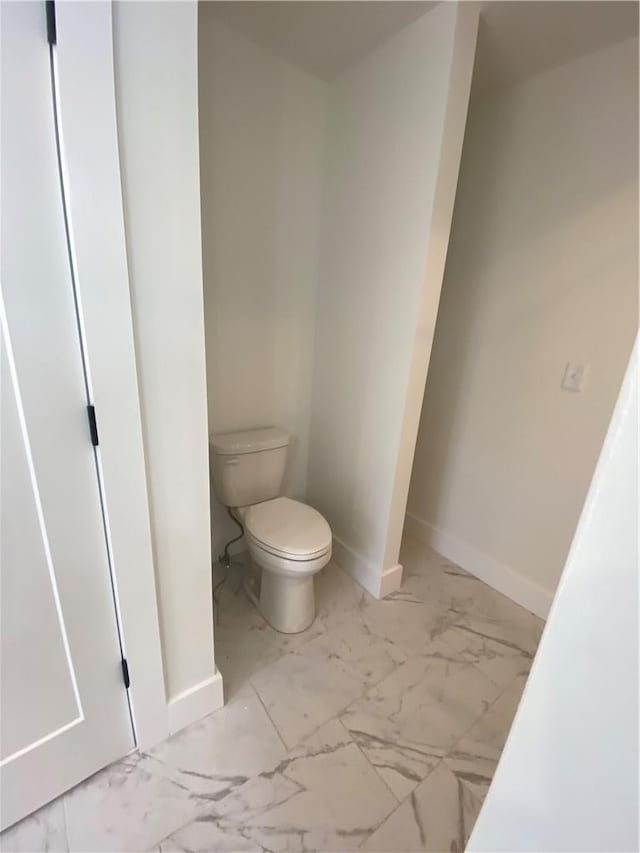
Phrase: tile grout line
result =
(65, 820)
(282, 651)
(325, 632)
(477, 720)
(336, 718)
(264, 707)
(397, 802)
(157, 844)
(344, 708)
(337, 714)
(373, 767)
(443, 759)
(365, 688)
(401, 802)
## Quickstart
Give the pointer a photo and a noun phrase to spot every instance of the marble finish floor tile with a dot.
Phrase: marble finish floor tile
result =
(217, 754)
(379, 728)
(438, 581)
(135, 803)
(129, 806)
(475, 757)
(337, 595)
(408, 619)
(411, 719)
(502, 649)
(245, 643)
(44, 830)
(437, 816)
(312, 684)
(323, 797)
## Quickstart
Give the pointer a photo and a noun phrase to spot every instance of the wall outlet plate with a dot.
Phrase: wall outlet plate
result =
(574, 376)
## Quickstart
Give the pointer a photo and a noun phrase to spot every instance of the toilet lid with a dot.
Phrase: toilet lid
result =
(288, 528)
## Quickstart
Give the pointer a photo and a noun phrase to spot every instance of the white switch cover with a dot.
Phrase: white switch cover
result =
(574, 376)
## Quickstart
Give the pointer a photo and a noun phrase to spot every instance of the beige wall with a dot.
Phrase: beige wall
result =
(568, 776)
(542, 270)
(156, 92)
(261, 145)
(384, 212)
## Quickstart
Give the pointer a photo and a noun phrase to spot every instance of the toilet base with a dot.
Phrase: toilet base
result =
(287, 603)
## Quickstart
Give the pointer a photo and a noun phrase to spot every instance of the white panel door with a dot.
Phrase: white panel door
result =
(63, 703)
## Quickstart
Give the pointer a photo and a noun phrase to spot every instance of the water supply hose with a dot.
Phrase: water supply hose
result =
(224, 558)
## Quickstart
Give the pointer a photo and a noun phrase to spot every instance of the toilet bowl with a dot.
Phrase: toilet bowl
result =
(288, 541)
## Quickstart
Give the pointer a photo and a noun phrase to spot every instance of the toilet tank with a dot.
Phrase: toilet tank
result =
(248, 467)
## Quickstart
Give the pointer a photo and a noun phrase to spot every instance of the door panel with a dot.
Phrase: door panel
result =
(41, 667)
(63, 704)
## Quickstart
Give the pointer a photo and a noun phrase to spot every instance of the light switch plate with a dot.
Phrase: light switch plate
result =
(574, 376)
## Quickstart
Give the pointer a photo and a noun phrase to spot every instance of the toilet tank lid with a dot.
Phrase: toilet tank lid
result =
(248, 441)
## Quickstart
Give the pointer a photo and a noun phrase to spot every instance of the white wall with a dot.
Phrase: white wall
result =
(378, 291)
(156, 91)
(261, 145)
(568, 776)
(542, 269)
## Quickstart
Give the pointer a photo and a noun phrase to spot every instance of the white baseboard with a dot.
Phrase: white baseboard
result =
(506, 580)
(390, 581)
(195, 703)
(379, 584)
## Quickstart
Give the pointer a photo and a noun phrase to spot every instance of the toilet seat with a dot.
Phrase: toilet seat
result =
(288, 529)
(279, 555)
(289, 542)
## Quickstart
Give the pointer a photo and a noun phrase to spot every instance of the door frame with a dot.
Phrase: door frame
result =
(86, 99)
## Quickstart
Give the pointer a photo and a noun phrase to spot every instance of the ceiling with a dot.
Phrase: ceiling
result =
(321, 37)
(521, 38)
(516, 39)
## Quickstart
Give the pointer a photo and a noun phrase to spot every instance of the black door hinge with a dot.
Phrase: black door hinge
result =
(93, 426)
(125, 673)
(50, 10)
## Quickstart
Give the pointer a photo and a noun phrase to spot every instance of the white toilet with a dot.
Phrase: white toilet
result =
(288, 541)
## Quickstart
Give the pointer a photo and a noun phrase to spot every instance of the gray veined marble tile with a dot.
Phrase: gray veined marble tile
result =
(469, 596)
(337, 596)
(312, 684)
(442, 583)
(437, 816)
(135, 803)
(412, 718)
(220, 752)
(501, 649)
(475, 757)
(449, 587)
(129, 806)
(245, 642)
(303, 690)
(206, 836)
(44, 830)
(407, 618)
(428, 714)
(324, 796)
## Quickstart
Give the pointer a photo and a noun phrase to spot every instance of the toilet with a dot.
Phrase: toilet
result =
(288, 541)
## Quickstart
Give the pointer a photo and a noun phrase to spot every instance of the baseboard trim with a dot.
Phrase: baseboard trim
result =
(379, 584)
(391, 580)
(195, 703)
(497, 575)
